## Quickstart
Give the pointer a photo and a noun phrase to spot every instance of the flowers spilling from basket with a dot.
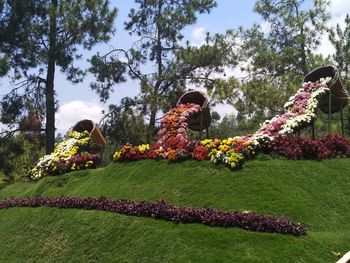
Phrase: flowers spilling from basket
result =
(69, 155)
(300, 110)
(174, 145)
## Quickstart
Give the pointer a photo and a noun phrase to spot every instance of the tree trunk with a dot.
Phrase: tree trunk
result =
(304, 65)
(50, 77)
(159, 61)
(152, 123)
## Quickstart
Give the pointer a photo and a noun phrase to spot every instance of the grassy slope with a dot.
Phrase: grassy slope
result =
(314, 193)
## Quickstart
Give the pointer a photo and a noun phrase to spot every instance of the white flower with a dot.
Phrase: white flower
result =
(325, 80)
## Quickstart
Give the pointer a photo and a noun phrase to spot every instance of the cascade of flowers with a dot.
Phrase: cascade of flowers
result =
(300, 111)
(67, 156)
(173, 143)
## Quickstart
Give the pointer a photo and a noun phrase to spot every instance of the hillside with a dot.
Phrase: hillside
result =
(314, 193)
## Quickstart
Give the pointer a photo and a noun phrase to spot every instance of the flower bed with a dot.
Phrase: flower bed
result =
(163, 210)
(174, 145)
(300, 110)
(68, 156)
(293, 147)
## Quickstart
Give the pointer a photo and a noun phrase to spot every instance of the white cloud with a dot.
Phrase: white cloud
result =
(71, 112)
(198, 36)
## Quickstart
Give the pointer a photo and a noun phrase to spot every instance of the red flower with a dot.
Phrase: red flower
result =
(200, 153)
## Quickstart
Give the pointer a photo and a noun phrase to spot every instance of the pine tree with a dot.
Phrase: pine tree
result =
(158, 25)
(39, 36)
(341, 41)
(282, 54)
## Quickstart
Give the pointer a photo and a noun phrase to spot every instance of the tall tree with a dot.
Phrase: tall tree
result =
(340, 39)
(37, 36)
(158, 59)
(294, 31)
(281, 53)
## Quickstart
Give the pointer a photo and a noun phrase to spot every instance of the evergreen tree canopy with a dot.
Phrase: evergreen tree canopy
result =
(158, 60)
(341, 41)
(282, 53)
(36, 36)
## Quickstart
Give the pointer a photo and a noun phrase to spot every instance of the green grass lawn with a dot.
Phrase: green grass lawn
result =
(317, 194)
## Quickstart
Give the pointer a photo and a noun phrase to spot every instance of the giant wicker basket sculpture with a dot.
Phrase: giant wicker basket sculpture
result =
(339, 95)
(87, 125)
(201, 120)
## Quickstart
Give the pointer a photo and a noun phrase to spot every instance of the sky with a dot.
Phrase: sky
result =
(77, 102)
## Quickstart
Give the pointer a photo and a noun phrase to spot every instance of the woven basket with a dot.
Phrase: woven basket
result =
(340, 96)
(94, 131)
(202, 119)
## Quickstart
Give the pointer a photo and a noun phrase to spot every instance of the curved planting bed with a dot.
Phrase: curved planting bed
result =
(163, 210)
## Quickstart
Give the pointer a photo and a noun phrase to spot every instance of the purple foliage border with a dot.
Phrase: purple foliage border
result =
(162, 210)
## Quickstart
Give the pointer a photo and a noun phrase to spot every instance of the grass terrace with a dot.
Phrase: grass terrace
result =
(314, 193)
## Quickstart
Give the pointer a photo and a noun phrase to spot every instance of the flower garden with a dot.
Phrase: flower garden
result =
(275, 137)
(70, 155)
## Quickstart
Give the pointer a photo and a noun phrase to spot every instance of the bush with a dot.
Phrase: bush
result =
(288, 146)
(338, 145)
(293, 147)
(314, 149)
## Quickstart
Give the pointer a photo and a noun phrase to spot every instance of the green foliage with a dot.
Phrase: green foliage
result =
(158, 26)
(295, 31)
(233, 125)
(107, 153)
(311, 192)
(25, 31)
(279, 55)
(122, 125)
(340, 39)
(9, 149)
(37, 36)
(265, 96)
(18, 153)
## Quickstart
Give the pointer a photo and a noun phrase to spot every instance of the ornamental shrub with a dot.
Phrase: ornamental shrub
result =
(129, 152)
(200, 153)
(64, 156)
(293, 147)
(163, 210)
(288, 146)
(338, 145)
(314, 149)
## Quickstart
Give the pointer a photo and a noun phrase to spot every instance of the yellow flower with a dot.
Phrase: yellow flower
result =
(224, 148)
(74, 150)
(116, 156)
(143, 147)
(227, 141)
(206, 142)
